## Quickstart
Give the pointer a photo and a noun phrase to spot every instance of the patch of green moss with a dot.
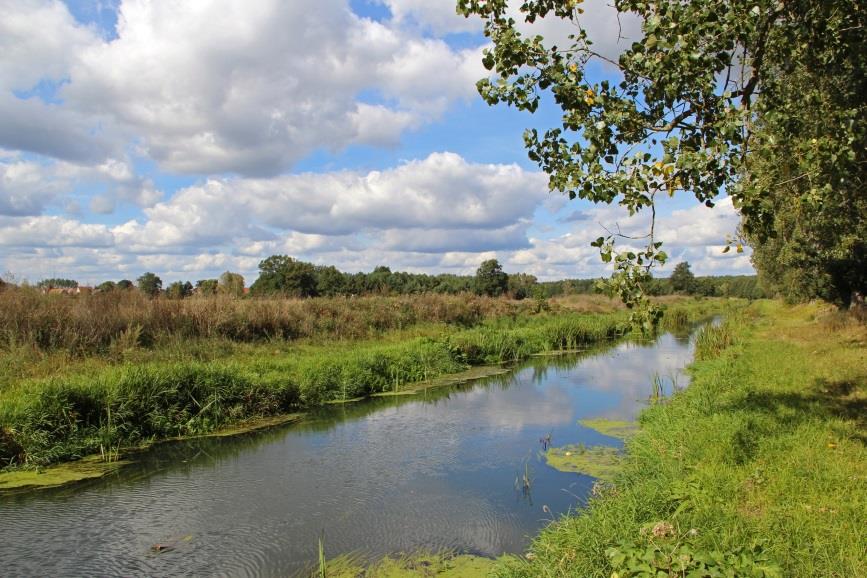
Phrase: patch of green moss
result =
(414, 566)
(88, 468)
(611, 427)
(601, 462)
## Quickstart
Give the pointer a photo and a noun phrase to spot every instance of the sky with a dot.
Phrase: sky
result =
(190, 138)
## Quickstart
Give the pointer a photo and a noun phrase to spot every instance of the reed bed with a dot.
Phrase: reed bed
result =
(97, 323)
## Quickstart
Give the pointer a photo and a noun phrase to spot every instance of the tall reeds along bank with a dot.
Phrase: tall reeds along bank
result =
(757, 469)
(93, 324)
(66, 417)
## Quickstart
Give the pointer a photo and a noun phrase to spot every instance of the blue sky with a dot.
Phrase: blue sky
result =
(192, 138)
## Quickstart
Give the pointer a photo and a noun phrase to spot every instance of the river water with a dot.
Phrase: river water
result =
(431, 471)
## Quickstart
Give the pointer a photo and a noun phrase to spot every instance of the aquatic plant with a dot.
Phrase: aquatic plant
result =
(657, 392)
(323, 565)
(711, 339)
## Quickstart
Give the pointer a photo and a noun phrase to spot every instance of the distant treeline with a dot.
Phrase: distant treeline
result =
(744, 286)
(284, 275)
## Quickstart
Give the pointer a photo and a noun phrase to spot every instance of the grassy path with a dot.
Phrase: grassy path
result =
(759, 468)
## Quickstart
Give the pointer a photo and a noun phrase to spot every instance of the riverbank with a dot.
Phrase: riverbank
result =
(73, 414)
(759, 468)
(114, 409)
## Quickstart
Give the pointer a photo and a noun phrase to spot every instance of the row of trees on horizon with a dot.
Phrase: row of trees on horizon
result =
(281, 275)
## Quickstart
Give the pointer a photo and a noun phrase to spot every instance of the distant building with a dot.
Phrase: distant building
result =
(67, 290)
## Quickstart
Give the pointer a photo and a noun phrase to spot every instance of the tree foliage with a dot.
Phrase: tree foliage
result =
(284, 275)
(150, 284)
(231, 284)
(682, 280)
(491, 280)
(702, 93)
(179, 290)
(806, 173)
(57, 283)
(207, 286)
(521, 285)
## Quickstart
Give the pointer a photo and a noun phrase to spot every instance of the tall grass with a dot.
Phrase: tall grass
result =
(711, 340)
(105, 322)
(66, 416)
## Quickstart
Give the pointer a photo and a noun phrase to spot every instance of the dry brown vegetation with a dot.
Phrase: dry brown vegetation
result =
(91, 324)
(596, 303)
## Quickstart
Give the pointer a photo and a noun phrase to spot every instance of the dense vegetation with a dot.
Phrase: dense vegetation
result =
(761, 100)
(757, 469)
(69, 415)
(742, 286)
(91, 373)
(96, 324)
(285, 276)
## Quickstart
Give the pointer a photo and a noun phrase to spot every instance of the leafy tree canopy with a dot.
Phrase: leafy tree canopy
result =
(707, 88)
(521, 285)
(490, 278)
(179, 290)
(232, 284)
(55, 282)
(682, 280)
(283, 274)
(150, 284)
(207, 286)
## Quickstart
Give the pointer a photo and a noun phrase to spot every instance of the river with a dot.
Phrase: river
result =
(436, 470)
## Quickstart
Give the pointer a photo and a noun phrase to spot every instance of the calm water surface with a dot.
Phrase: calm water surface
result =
(431, 471)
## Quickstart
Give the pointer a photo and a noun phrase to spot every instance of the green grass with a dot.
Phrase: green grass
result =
(759, 468)
(72, 414)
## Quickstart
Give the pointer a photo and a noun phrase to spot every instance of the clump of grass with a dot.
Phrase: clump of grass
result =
(676, 318)
(656, 389)
(322, 563)
(711, 340)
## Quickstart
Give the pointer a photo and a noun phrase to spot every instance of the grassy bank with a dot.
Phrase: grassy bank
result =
(72, 414)
(759, 468)
(67, 403)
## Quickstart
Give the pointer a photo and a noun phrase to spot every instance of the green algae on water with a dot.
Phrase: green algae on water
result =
(443, 565)
(611, 427)
(471, 374)
(89, 468)
(601, 462)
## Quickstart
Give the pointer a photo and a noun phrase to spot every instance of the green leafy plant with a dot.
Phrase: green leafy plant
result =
(663, 553)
